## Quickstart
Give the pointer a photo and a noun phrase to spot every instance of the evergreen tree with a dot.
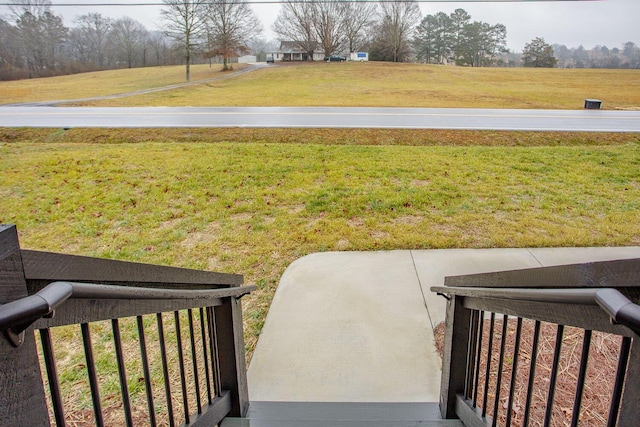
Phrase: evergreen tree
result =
(539, 54)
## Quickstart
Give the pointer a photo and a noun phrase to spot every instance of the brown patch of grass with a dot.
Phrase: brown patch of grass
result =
(411, 137)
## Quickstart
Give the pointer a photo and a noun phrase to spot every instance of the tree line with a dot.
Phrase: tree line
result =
(598, 57)
(456, 39)
(38, 44)
(34, 42)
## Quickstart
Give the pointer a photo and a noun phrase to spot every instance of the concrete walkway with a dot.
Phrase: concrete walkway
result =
(358, 326)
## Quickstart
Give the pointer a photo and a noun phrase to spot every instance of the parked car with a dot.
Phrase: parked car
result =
(270, 59)
(335, 58)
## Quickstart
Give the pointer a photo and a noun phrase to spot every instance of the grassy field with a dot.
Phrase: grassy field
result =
(254, 207)
(251, 201)
(100, 83)
(349, 84)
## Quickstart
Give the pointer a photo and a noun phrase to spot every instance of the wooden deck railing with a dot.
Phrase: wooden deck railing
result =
(194, 317)
(484, 364)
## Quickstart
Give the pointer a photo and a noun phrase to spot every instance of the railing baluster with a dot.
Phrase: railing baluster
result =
(165, 369)
(203, 333)
(52, 376)
(146, 371)
(554, 375)
(514, 370)
(471, 354)
(194, 360)
(488, 368)
(584, 358)
(532, 373)
(215, 360)
(122, 372)
(183, 380)
(91, 371)
(503, 341)
(478, 352)
(616, 396)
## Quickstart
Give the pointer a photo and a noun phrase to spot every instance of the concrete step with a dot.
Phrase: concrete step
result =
(316, 414)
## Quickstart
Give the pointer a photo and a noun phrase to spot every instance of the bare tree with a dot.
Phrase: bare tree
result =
(185, 22)
(91, 36)
(10, 58)
(128, 37)
(328, 25)
(398, 19)
(34, 7)
(259, 47)
(358, 18)
(231, 26)
(42, 38)
(295, 23)
(160, 50)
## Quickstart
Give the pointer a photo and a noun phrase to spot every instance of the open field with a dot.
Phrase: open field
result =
(348, 84)
(100, 83)
(254, 207)
(251, 201)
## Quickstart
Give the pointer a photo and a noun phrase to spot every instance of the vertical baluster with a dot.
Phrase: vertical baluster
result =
(554, 375)
(471, 354)
(165, 369)
(503, 341)
(52, 376)
(514, 370)
(215, 361)
(478, 352)
(616, 396)
(488, 368)
(204, 354)
(122, 372)
(532, 373)
(194, 360)
(146, 371)
(183, 380)
(586, 344)
(91, 370)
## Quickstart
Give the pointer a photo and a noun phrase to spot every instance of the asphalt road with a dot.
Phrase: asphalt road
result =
(321, 117)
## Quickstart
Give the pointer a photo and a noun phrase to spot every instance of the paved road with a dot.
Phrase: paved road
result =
(322, 117)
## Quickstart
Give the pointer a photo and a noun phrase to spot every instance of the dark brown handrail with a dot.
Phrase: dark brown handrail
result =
(18, 315)
(620, 309)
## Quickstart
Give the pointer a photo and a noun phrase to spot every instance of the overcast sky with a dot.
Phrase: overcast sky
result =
(572, 23)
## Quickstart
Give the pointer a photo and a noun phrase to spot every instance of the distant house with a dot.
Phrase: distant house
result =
(291, 51)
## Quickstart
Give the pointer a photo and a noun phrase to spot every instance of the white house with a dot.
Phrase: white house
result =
(291, 51)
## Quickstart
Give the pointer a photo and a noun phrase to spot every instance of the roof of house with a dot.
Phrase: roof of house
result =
(291, 46)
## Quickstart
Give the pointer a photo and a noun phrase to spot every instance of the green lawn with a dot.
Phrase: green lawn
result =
(253, 208)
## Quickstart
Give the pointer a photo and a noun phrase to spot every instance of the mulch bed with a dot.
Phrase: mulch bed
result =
(599, 380)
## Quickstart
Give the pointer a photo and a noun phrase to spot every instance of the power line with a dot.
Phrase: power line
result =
(275, 2)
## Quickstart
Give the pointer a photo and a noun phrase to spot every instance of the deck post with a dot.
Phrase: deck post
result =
(454, 360)
(629, 409)
(233, 373)
(22, 398)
